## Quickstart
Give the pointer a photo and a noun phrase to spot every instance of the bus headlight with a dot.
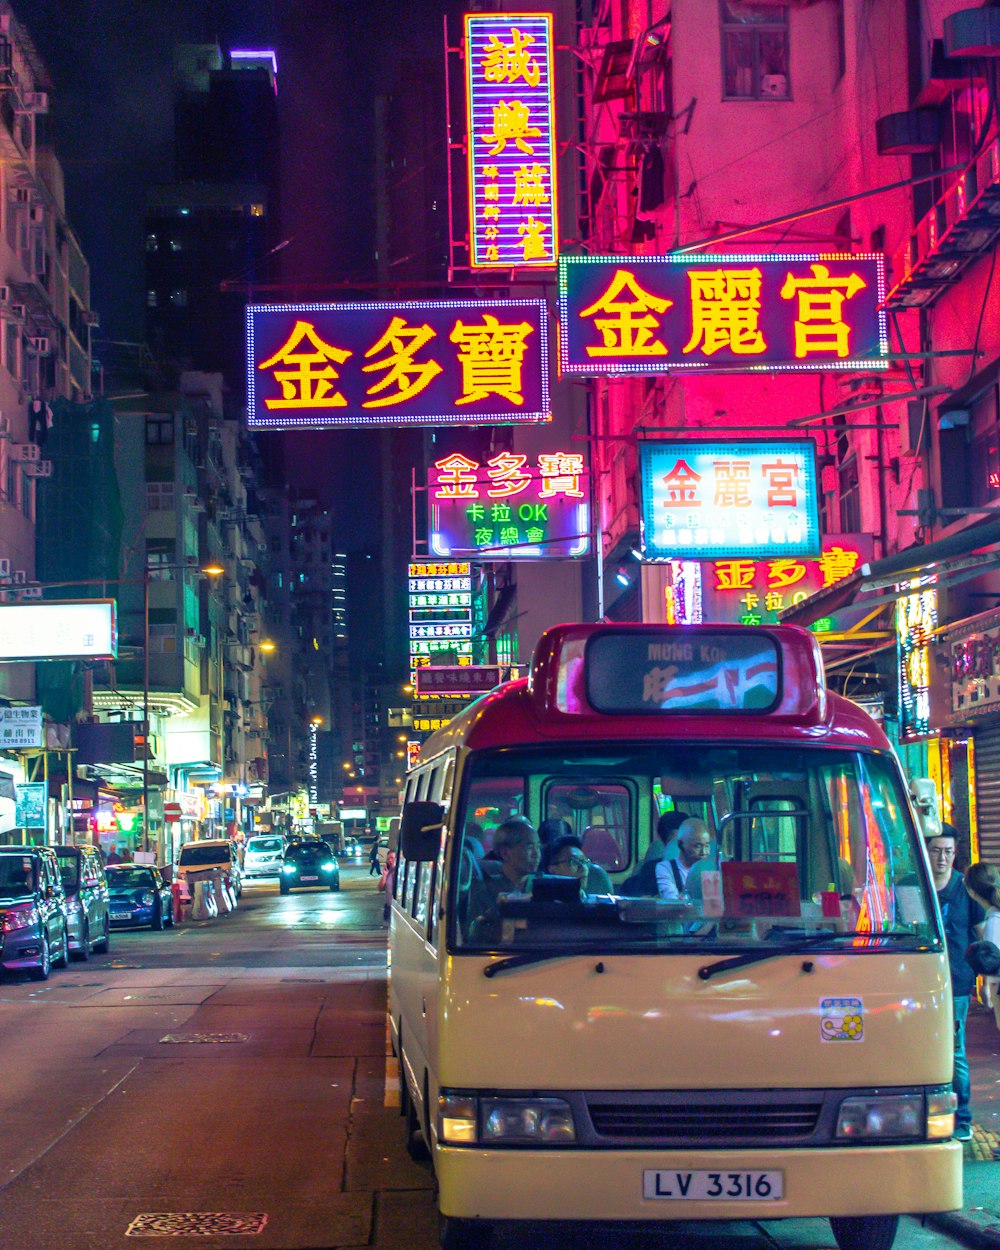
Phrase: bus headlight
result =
(941, 1104)
(528, 1121)
(467, 1120)
(890, 1115)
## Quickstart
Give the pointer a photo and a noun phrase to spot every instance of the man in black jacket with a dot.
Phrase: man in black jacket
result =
(962, 919)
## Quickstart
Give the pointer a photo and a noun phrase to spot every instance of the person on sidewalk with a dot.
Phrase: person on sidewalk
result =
(982, 881)
(962, 917)
(374, 867)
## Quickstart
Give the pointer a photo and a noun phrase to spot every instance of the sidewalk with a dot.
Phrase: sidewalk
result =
(978, 1223)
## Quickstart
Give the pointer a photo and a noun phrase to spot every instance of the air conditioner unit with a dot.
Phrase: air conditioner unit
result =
(19, 577)
(25, 451)
(36, 215)
(4, 566)
(18, 310)
(36, 101)
(41, 345)
(91, 318)
(31, 592)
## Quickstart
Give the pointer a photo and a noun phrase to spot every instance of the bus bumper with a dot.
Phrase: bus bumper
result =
(608, 1185)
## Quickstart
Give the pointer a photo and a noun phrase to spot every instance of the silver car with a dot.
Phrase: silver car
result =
(262, 855)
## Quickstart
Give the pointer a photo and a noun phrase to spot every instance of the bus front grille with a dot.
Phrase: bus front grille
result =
(701, 1122)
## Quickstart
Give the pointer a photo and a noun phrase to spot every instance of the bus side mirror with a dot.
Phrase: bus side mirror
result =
(420, 829)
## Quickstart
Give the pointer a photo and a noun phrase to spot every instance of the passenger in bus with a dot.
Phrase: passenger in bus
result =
(673, 875)
(564, 857)
(551, 828)
(519, 850)
(642, 884)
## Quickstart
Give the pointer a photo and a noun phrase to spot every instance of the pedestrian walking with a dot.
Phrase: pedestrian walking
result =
(982, 881)
(962, 917)
(387, 883)
(374, 869)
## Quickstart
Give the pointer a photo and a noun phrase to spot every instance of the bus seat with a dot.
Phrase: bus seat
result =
(602, 847)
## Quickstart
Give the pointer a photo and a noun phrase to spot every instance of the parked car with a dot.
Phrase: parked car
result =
(139, 896)
(262, 855)
(309, 864)
(208, 854)
(88, 911)
(33, 928)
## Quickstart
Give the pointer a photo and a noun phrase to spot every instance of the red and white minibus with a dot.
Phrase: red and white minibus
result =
(772, 1040)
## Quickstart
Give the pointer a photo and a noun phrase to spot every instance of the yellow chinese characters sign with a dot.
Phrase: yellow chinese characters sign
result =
(509, 112)
(657, 314)
(419, 363)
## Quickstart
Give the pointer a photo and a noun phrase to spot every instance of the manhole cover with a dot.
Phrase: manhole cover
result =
(205, 1038)
(197, 1224)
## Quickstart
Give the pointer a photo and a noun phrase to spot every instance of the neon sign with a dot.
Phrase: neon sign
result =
(916, 621)
(725, 500)
(441, 362)
(509, 115)
(738, 314)
(753, 592)
(508, 508)
(440, 611)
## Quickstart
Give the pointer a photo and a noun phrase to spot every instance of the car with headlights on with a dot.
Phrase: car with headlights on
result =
(33, 929)
(309, 864)
(138, 896)
(88, 911)
(353, 849)
(262, 855)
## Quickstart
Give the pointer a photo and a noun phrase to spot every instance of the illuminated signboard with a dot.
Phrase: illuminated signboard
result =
(81, 628)
(658, 314)
(440, 610)
(753, 592)
(509, 114)
(697, 671)
(732, 499)
(973, 655)
(508, 509)
(466, 679)
(20, 727)
(443, 362)
(916, 621)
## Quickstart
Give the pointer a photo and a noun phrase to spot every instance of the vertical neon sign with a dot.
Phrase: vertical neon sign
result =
(916, 621)
(509, 115)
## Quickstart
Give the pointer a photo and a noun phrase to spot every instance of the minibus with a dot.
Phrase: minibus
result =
(772, 1041)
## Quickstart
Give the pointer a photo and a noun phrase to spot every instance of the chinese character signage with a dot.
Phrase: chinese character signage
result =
(701, 670)
(20, 727)
(658, 314)
(509, 114)
(443, 362)
(69, 629)
(467, 679)
(440, 612)
(729, 500)
(916, 621)
(753, 592)
(510, 507)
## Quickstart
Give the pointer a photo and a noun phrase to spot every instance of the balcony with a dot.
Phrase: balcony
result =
(961, 226)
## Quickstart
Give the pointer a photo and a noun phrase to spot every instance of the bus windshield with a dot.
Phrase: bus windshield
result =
(789, 847)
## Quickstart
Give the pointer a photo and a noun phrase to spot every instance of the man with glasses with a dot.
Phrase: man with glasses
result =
(962, 916)
(564, 857)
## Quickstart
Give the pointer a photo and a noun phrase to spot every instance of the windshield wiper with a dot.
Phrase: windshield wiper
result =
(805, 939)
(523, 958)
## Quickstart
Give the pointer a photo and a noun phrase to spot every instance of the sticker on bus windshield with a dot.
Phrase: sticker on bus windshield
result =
(841, 1020)
(706, 671)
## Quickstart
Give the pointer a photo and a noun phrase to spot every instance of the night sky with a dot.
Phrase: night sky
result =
(111, 125)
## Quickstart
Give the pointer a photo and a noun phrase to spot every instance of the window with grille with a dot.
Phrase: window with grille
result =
(755, 46)
(160, 496)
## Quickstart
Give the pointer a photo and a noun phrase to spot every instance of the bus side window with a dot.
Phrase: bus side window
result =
(399, 877)
(409, 891)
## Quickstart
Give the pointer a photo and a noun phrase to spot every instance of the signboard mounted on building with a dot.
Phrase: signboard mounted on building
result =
(729, 500)
(440, 362)
(70, 629)
(721, 313)
(20, 728)
(510, 508)
(511, 141)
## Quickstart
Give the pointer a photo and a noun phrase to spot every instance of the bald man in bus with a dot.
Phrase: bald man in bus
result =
(694, 848)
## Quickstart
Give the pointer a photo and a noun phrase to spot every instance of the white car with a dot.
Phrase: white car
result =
(207, 854)
(262, 855)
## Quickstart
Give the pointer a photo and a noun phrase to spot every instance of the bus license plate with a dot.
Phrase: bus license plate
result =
(714, 1186)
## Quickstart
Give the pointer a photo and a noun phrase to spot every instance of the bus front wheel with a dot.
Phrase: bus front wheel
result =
(463, 1234)
(864, 1232)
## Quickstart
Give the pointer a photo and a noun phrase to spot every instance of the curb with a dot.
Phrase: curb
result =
(979, 1236)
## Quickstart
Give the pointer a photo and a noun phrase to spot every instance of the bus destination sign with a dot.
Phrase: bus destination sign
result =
(700, 671)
